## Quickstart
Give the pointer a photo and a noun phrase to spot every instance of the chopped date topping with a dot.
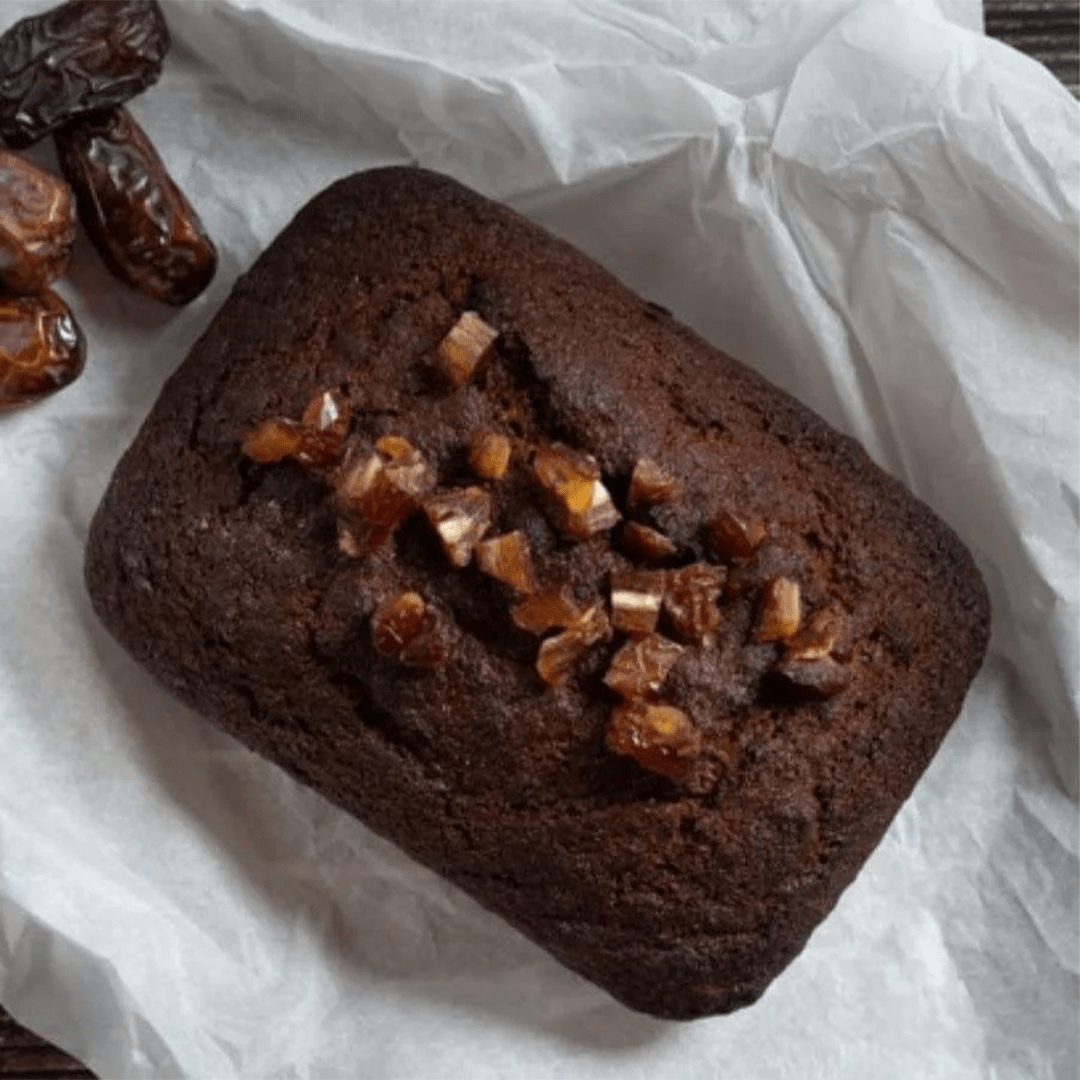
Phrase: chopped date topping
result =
(272, 440)
(734, 537)
(646, 543)
(376, 493)
(460, 517)
(690, 601)
(318, 441)
(552, 609)
(820, 678)
(469, 341)
(560, 654)
(325, 426)
(817, 637)
(661, 737)
(639, 668)
(583, 505)
(489, 455)
(507, 559)
(636, 596)
(409, 630)
(779, 610)
(649, 484)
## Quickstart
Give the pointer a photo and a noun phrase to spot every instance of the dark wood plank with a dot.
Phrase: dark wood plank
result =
(1048, 30)
(23, 1056)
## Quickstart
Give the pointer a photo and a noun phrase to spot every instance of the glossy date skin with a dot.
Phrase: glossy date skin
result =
(37, 224)
(41, 348)
(147, 232)
(74, 59)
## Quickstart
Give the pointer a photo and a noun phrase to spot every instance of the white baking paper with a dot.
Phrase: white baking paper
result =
(873, 205)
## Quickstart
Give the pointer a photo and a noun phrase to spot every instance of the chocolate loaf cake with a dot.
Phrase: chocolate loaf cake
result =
(577, 610)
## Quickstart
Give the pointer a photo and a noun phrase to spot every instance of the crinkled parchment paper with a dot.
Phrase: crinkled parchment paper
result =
(870, 203)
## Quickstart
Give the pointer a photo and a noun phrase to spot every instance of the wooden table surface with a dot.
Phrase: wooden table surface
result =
(1048, 30)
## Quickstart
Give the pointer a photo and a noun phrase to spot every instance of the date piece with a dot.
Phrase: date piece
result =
(75, 59)
(145, 229)
(37, 224)
(41, 348)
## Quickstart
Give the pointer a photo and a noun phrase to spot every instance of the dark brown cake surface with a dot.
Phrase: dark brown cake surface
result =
(681, 880)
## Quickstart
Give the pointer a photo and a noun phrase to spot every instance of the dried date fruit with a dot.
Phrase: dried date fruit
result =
(507, 559)
(690, 601)
(37, 224)
(779, 610)
(661, 737)
(640, 667)
(646, 542)
(41, 348)
(735, 537)
(469, 342)
(582, 504)
(649, 484)
(460, 517)
(636, 596)
(489, 455)
(410, 630)
(559, 655)
(75, 59)
(543, 611)
(375, 493)
(143, 226)
(325, 423)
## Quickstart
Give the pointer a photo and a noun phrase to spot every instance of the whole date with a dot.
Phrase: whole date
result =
(37, 224)
(147, 232)
(41, 348)
(74, 59)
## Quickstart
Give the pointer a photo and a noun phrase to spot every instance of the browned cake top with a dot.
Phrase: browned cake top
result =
(579, 611)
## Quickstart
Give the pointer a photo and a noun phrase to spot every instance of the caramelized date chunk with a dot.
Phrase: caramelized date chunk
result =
(646, 543)
(544, 611)
(560, 654)
(817, 637)
(734, 537)
(649, 484)
(75, 59)
(779, 610)
(376, 492)
(141, 223)
(41, 348)
(662, 738)
(690, 601)
(581, 503)
(410, 630)
(318, 441)
(489, 455)
(461, 352)
(271, 441)
(636, 596)
(460, 517)
(37, 224)
(507, 559)
(819, 678)
(639, 668)
(325, 424)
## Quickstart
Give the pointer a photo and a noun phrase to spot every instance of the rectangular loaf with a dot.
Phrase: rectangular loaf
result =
(676, 842)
